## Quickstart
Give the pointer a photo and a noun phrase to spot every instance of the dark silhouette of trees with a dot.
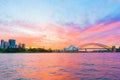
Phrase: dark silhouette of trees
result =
(21, 50)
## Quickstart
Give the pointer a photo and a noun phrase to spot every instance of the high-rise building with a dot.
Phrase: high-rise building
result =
(16, 46)
(23, 46)
(6, 45)
(19, 45)
(2, 44)
(12, 43)
(113, 49)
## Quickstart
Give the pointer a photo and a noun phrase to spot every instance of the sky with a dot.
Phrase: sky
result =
(59, 23)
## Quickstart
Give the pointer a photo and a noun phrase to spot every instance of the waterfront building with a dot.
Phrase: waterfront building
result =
(12, 43)
(23, 46)
(113, 49)
(6, 44)
(71, 48)
(2, 44)
(19, 45)
(16, 46)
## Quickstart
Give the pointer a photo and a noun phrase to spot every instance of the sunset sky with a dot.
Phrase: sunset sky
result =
(59, 23)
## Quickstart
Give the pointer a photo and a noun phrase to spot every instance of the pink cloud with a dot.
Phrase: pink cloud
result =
(60, 36)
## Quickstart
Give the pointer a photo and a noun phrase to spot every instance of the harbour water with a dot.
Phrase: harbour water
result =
(60, 66)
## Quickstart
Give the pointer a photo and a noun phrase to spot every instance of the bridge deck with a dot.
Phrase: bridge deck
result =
(92, 48)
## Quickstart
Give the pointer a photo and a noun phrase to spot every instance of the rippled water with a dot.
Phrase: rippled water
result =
(61, 66)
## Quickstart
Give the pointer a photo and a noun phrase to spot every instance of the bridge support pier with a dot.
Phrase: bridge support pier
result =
(85, 50)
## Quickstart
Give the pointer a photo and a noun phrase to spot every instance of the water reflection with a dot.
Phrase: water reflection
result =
(59, 66)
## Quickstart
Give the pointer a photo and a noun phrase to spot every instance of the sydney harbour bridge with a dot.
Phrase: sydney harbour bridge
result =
(97, 47)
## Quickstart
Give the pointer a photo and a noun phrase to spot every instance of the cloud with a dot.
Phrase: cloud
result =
(110, 18)
(58, 35)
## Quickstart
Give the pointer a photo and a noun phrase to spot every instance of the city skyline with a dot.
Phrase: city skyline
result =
(11, 43)
(59, 23)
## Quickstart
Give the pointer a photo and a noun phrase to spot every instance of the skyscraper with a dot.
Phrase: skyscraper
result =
(19, 45)
(2, 44)
(6, 44)
(12, 43)
(23, 46)
(113, 49)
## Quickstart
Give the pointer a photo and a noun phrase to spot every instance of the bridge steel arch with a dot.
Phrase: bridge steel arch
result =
(96, 44)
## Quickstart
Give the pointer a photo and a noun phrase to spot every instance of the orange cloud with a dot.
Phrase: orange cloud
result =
(59, 36)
